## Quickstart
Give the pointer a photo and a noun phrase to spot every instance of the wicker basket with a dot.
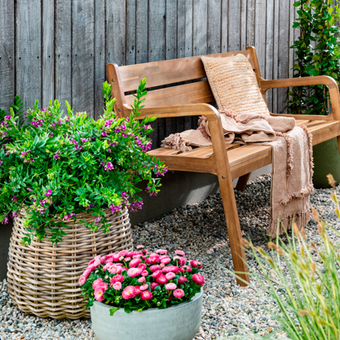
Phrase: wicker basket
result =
(43, 278)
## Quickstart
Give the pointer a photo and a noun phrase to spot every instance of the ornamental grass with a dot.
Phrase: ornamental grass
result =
(307, 292)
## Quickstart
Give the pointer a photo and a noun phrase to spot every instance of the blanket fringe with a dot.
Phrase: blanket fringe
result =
(298, 195)
(286, 222)
(176, 141)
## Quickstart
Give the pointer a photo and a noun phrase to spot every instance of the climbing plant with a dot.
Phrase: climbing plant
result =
(316, 53)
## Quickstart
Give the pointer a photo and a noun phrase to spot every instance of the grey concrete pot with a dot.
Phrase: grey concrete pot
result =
(180, 322)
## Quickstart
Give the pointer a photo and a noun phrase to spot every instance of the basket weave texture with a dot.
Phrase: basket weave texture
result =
(234, 84)
(43, 278)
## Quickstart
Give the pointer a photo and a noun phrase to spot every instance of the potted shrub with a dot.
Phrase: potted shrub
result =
(69, 181)
(143, 295)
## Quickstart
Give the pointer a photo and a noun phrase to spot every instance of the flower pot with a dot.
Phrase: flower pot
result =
(180, 322)
(326, 161)
(43, 278)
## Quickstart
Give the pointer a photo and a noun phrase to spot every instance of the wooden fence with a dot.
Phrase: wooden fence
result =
(59, 48)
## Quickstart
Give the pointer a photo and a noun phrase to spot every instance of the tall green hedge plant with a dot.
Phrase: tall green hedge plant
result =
(317, 53)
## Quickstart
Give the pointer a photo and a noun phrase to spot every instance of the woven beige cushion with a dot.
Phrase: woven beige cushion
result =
(234, 84)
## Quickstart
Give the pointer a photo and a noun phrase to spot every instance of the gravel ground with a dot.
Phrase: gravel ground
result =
(229, 312)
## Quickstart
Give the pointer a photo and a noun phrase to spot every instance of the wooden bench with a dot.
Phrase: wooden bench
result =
(227, 162)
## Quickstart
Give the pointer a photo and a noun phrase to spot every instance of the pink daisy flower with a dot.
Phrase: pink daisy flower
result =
(154, 285)
(127, 259)
(146, 295)
(140, 246)
(155, 267)
(135, 262)
(123, 253)
(133, 272)
(129, 292)
(166, 260)
(99, 284)
(186, 269)
(161, 279)
(81, 280)
(117, 278)
(170, 286)
(181, 260)
(138, 291)
(113, 269)
(86, 273)
(141, 279)
(163, 257)
(169, 269)
(180, 252)
(142, 266)
(117, 286)
(178, 293)
(196, 264)
(198, 279)
(182, 280)
(161, 251)
(144, 287)
(145, 273)
(156, 273)
(99, 295)
(170, 275)
(152, 260)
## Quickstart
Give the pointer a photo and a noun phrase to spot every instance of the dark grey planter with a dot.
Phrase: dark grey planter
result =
(326, 161)
(5, 234)
(180, 322)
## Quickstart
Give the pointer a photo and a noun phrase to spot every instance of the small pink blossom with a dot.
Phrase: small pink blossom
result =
(156, 274)
(170, 286)
(141, 279)
(180, 252)
(161, 279)
(146, 295)
(113, 269)
(181, 260)
(142, 266)
(87, 272)
(145, 273)
(154, 285)
(182, 280)
(178, 293)
(196, 264)
(198, 279)
(152, 259)
(127, 259)
(117, 278)
(144, 287)
(98, 295)
(166, 260)
(117, 286)
(140, 246)
(129, 292)
(135, 262)
(133, 272)
(169, 269)
(138, 291)
(186, 269)
(161, 251)
(123, 253)
(163, 257)
(81, 280)
(99, 284)
(170, 275)
(155, 267)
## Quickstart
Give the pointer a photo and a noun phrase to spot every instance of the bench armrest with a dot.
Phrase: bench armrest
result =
(307, 81)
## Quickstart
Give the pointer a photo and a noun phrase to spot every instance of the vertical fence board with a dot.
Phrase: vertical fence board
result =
(260, 34)
(276, 53)
(188, 28)
(181, 29)
(7, 54)
(63, 51)
(99, 56)
(224, 25)
(234, 29)
(214, 26)
(28, 59)
(47, 52)
(142, 31)
(116, 31)
(200, 27)
(243, 24)
(130, 32)
(269, 49)
(251, 23)
(83, 56)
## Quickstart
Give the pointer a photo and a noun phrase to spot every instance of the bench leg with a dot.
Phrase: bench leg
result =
(338, 138)
(242, 182)
(234, 229)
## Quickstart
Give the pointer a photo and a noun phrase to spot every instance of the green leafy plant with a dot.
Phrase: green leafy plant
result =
(136, 280)
(54, 167)
(308, 296)
(317, 21)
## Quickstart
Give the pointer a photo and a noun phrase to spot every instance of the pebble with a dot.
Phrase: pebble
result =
(229, 311)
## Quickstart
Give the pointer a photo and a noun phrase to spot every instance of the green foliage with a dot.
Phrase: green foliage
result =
(317, 21)
(54, 167)
(308, 297)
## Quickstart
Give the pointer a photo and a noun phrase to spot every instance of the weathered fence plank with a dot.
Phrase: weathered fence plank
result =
(214, 26)
(7, 54)
(28, 44)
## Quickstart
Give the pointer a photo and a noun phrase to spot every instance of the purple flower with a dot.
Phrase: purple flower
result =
(134, 206)
(59, 122)
(68, 216)
(114, 208)
(97, 219)
(28, 189)
(113, 144)
(14, 198)
(48, 193)
(32, 160)
(109, 122)
(1, 162)
(124, 135)
(123, 127)
(68, 119)
(15, 214)
(8, 117)
(5, 220)
(42, 211)
(89, 206)
(102, 163)
(125, 195)
(104, 133)
(42, 202)
(83, 140)
(108, 166)
(57, 155)
(51, 134)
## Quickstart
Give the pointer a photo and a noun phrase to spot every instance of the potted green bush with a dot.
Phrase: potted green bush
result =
(143, 295)
(68, 182)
